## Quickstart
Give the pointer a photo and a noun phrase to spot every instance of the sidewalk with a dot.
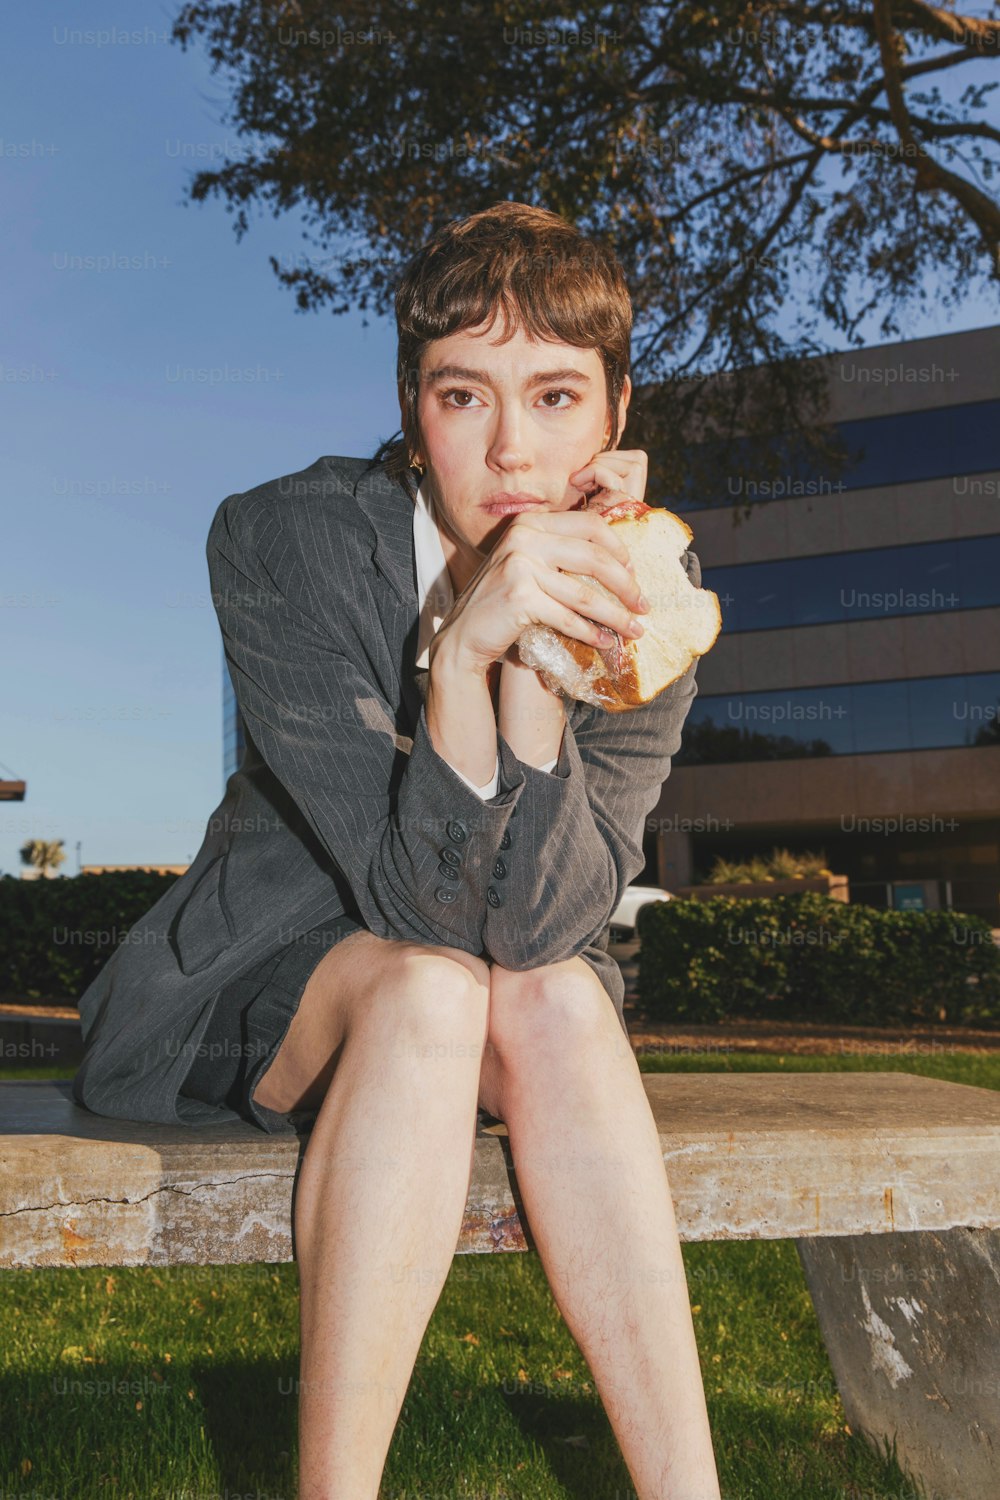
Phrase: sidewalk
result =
(807, 1038)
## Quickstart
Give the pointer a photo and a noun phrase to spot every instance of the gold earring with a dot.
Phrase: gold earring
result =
(418, 466)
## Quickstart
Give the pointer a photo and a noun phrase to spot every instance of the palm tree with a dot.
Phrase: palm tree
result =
(46, 855)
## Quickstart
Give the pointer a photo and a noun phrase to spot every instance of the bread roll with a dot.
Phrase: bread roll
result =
(683, 621)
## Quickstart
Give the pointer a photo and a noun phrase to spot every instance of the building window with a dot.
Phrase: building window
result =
(903, 448)
(834, 587)
(861, 718)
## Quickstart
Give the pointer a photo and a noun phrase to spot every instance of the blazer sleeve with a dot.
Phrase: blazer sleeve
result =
(493, 785)
(414, 841)
(576, 843)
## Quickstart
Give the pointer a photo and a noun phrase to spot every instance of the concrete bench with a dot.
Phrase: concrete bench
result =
(889, 1184)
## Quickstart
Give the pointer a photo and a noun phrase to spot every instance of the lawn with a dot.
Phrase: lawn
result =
(180, 1382)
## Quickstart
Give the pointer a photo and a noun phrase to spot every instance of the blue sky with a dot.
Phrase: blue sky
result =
(115, 457)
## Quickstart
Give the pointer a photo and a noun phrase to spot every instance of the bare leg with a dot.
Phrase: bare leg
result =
(379, 1204)
(560, 1074)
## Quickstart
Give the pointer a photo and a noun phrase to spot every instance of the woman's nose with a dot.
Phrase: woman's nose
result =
(507, 445)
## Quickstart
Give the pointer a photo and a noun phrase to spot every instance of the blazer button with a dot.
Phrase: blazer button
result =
(450, 856)
(448, 871)
(505, 841)
(499, 869)
(494, 897)
(457, 832)
(446, 893)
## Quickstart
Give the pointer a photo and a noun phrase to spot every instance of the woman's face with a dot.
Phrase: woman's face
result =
(514, 418)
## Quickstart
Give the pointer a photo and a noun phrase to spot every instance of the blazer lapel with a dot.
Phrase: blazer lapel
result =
(390, 511)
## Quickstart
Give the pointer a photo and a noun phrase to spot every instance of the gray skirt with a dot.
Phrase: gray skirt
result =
(249, 1022)
(253, 1013)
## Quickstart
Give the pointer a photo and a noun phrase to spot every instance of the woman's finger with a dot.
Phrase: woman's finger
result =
(593, 605)
(615, 469)
(600, 474)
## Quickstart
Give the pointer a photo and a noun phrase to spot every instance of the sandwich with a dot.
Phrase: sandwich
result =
(682, 623)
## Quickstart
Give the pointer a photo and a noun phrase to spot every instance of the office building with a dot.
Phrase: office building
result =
(851, 704)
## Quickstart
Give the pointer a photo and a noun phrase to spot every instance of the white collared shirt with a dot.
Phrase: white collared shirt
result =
(435, 597)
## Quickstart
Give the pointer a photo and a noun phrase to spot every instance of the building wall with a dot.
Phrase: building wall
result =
(904, 693)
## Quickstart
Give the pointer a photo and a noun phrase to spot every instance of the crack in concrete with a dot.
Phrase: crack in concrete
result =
(164, 1187)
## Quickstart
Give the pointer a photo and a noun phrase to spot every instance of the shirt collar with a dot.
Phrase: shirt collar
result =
(435, 592)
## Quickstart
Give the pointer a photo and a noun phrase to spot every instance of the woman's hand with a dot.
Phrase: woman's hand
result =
(522, 582)
(615, 475)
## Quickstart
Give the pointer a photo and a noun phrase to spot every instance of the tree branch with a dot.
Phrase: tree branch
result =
(950, 27)
(732, 182)
(929, 174)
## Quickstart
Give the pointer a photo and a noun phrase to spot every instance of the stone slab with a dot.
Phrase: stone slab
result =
(748, 1156)
(911, 1323)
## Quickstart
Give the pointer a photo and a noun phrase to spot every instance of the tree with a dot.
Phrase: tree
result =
(45, 855)
(742, 160)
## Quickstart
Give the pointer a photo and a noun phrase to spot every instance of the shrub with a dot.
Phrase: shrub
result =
(780, 864)
(808, 957)
(56, 935)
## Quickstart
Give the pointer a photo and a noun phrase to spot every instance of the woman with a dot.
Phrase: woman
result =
(399, 915)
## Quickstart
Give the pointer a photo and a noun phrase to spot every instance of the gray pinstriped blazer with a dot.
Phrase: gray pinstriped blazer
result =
(342, 804)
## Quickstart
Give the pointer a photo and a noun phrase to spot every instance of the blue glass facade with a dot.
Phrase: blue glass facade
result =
(921, 578)
(915, 445)
(857, 718)
(903, 448)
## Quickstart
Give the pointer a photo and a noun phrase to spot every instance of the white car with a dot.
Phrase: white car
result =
(626, 912)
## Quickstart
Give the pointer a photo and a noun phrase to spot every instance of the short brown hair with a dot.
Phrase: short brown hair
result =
(531, 267)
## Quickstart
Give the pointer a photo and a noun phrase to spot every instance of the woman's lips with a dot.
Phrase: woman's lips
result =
(512, 507)
(596, 502)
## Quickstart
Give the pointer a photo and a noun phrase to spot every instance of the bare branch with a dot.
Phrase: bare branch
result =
(969, 30)
(720, 188)
(930, 175)
(864, 101)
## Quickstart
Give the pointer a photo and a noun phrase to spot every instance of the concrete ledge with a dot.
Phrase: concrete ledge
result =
(764, 1156)
(911, 1323)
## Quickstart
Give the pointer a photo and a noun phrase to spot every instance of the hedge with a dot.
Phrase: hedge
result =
(798, 957)
(56, 935)
(807, 957)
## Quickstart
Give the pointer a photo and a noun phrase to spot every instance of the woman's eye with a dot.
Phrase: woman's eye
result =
(455, 392)
(465, 405)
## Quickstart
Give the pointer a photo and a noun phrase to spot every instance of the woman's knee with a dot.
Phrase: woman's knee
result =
(384, 994)
(555, 1011)
(428, 988)
(448, 959)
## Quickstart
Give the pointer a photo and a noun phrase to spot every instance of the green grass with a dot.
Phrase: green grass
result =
(981, 1071)
(192, 1373)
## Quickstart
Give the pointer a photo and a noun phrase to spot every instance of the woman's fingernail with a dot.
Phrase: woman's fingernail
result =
(643, 602)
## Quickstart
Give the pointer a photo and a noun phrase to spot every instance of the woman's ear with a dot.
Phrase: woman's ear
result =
(626, 396)
(622, 408)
